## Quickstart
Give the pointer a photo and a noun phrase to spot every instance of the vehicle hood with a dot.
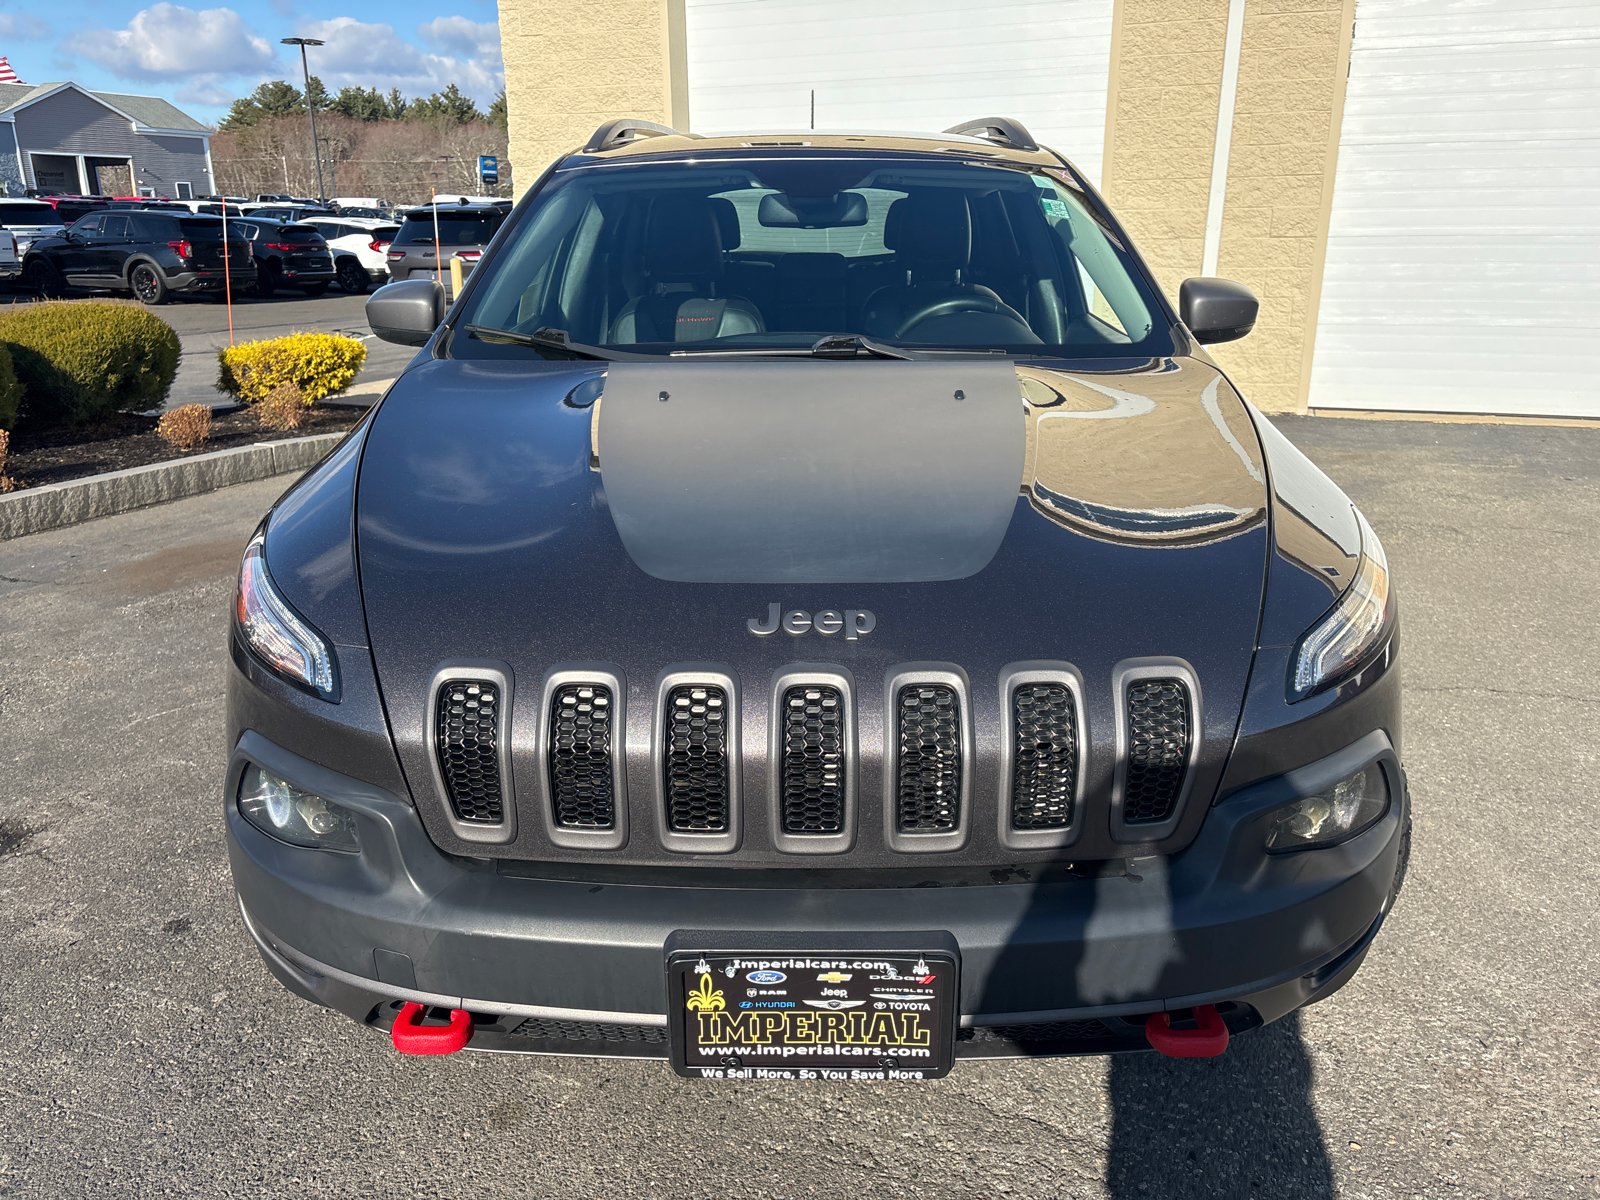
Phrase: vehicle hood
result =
(1080, 516)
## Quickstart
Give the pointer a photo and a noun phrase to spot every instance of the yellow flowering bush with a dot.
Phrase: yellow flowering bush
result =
(319, 364)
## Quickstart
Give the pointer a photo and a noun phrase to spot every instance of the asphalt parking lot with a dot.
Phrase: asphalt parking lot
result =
(144, 1050)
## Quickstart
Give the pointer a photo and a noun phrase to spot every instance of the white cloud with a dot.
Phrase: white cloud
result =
(203, 91)
(24, 28)
(458, 35)
(358, 54)
(167, 41)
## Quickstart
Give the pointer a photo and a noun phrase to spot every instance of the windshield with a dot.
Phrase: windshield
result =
(773, 254)
(456, 228)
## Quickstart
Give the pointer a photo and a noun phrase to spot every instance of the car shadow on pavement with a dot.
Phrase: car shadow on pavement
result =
(1240, 1125)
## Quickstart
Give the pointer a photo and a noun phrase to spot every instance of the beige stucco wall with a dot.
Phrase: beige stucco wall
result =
(1166, 72)
(1161, 118)
(570, 66)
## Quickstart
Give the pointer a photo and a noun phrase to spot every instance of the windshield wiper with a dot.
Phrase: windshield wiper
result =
(848, 345)
(550, 339)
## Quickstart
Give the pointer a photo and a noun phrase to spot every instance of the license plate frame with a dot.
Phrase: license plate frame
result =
(884, 1019)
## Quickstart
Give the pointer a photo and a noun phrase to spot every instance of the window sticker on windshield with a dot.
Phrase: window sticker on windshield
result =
(1054, 208)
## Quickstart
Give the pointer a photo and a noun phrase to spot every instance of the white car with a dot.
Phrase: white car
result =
(360, 249)
(10, 259)
(29, 220)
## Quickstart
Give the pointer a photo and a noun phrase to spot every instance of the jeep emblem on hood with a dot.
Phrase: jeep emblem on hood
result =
(854, 621)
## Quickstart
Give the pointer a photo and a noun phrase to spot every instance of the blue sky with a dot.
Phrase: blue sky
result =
(201, 57)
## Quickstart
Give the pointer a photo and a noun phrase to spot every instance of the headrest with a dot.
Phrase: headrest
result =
(930, 229)
(727, 221)
(683, 240)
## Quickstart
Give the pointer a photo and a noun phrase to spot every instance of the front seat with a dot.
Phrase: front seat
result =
(682, 264)
(931, 235)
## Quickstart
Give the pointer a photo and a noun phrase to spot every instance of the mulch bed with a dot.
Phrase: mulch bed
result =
(56, 455)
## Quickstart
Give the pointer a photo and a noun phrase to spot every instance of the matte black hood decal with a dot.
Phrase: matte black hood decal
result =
(812, 472)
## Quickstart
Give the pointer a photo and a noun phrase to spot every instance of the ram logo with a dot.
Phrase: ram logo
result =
(855, 622)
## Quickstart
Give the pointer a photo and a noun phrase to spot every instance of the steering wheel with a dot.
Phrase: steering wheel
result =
(950, 306)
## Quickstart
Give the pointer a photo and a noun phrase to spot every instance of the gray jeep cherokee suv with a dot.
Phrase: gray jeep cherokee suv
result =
(813, 609)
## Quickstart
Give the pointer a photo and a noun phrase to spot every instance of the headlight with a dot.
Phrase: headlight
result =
(1351, 629)
(1349, 807)
(276, 807)
(277, 634)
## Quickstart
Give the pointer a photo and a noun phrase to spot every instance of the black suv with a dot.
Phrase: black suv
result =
(151, 255)
(287, 255)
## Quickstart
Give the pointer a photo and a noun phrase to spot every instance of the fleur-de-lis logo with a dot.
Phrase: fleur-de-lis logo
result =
(705, 998)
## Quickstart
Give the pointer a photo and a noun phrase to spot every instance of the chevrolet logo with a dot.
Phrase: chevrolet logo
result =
(834, 977)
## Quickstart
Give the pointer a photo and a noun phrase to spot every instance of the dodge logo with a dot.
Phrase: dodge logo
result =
(855, 622)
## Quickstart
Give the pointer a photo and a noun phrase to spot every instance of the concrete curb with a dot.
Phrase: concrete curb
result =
(55, 505)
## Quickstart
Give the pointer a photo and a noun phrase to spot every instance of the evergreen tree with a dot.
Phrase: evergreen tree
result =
(449, 105)
(498, 116)
(275, 98)
(397, 105)
(317, 94)
(360, 104)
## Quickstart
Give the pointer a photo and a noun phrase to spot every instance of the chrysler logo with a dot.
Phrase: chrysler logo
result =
(855, 622)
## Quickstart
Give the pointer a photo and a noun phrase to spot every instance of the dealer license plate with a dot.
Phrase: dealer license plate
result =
(825, 1015)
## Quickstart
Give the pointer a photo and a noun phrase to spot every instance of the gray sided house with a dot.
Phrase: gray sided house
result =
(59, 137)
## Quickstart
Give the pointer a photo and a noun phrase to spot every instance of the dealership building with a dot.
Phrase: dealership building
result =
(59, 137)
(1412, 187)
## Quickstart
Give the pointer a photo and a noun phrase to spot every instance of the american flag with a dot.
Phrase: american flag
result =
(7, 75)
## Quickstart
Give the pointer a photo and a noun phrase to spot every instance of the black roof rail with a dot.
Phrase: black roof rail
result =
(1002, 130)
(625, 129)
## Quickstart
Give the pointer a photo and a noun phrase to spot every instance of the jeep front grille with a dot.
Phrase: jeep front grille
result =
(813, 759)
(1158, 749)
(928, 762)
(467, 741)
(582, 791)
(696, 759)
(1044, 773)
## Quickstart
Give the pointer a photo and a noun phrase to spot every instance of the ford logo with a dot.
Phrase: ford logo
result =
(766, 977)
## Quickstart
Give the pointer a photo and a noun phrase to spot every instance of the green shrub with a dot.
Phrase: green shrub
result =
(10, 391)
(79, 360)
(319, 364)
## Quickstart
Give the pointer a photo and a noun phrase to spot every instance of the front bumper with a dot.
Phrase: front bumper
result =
(580, 963)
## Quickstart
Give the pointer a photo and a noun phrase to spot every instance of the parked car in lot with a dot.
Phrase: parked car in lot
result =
(463, 230)
(817, 606)
(28, 220)
(360, 248)
(290, 212)
(10, 257)
(69, 208)
(287, 255)
(152, 255)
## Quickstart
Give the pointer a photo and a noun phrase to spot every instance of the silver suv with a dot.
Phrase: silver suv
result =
(423, 248)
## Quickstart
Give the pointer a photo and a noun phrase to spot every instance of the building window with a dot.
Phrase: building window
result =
(185, 190)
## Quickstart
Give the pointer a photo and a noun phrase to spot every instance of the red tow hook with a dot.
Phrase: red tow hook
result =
(409, 1037)
(1208, 1041)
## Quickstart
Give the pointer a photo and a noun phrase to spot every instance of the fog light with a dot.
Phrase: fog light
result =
(278, 808)
(1349, 807)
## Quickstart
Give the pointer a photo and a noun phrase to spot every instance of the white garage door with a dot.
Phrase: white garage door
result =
(920, 65)
(1463, 269)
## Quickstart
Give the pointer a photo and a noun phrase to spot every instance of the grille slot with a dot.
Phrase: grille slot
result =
(1044, 773)
(467, 741)
(696, 759)
(1158, 749)
(549, 1030)
(928, 762)
(813, 759)
(582, 791)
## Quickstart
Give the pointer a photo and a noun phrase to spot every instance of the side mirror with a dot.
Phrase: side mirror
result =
(406, 312)
(1217, 310)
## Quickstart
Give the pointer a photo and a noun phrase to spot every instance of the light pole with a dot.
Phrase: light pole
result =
(311, 109)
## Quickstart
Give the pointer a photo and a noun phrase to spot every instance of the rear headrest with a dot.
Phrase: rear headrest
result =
(930, 229)
(683, 240)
